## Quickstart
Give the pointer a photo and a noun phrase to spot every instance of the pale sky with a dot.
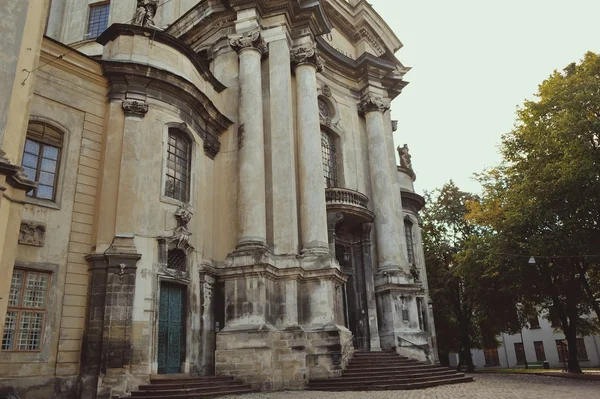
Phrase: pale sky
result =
(473, 62)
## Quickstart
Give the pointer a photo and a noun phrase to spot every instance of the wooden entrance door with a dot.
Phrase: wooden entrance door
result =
(171, 338)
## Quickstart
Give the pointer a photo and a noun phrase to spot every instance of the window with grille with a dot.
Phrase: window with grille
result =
(329, 160)
(581, 350)
(561, 348)
(98, 20)
(410, 247)
(41, 158)
(177, 259)
(540, 354)
(491, 357)
(520, 352)
(179, 154)
(25, 316)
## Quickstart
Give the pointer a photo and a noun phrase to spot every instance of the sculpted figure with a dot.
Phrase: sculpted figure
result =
(405, 161)
(145, 12)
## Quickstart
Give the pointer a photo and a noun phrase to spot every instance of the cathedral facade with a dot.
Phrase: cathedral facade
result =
(202, 187)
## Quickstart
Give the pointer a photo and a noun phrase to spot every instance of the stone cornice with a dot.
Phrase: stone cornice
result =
(411, 199)
(194, 106)
(116, 30)
(251, 40)
(372, 103)
(15, 176)
(306, 55)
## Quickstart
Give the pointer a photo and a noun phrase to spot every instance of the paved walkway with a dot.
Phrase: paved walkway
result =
(486, 386)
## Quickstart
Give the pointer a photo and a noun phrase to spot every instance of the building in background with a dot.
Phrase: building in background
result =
(217, 192)
(537, 344)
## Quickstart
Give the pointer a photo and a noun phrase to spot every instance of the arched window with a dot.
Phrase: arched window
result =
(410, 248)
(41, 158)
(179, 154)
(329, 160)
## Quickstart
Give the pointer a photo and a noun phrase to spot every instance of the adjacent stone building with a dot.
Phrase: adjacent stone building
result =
(202, 186)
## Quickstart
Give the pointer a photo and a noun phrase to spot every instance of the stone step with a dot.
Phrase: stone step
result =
(167, 395)
(188, 386)
(393, 386)
(179, 378)
(183, 391)
(381, 380)
(387, 369)
(383, 363)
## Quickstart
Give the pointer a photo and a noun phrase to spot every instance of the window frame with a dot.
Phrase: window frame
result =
(410, 244)
(91, 6)
(328, 144)
(186, 137)
(57, 170)
(582, 354)
(495, 357)
(562, 349)
(521, 351)
(20, 309)
(539, 349)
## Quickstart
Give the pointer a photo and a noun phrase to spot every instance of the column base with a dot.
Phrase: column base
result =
(251, 245)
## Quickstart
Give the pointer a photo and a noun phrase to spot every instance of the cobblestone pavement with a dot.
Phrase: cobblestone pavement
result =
(488, 386)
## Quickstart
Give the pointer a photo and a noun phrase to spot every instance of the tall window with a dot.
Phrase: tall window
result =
(520, 352)
(179, 154)
(98, 19)
(41, 158)
(561, 347)
(540, 354)
(410, 247)
(491, 357)
(581, 351)
(27, 301)
(329, 160)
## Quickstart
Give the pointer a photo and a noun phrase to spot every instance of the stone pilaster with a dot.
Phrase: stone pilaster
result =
(389, 249)
(313, 213)
(370, 287)
(107, 347)
(251, 161)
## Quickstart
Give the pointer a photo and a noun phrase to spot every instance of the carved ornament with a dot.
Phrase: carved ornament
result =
(32, 233)
(181, 234)
(306, 54)
(145, 12)
(249, 40)
(135, 108)
(394, 126)
(405, 157)
(326, 90)
(372, 103)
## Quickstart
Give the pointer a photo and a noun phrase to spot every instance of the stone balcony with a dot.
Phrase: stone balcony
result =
(349, 202)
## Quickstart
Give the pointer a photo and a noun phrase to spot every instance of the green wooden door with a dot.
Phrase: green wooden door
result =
(170, 329)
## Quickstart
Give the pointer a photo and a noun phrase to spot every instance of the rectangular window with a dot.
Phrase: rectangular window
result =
(561, 347)
(581, 351)
(534, 323)
(520, 352)
(410, 245)
(491, 357)
(540, 354)
(98, 20)
(179, 154)
(25, 316)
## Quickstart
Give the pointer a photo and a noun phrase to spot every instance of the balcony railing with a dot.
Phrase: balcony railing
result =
(343, 196)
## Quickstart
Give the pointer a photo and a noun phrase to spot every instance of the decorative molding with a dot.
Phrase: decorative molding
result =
(249, 40)
(394, 126)
(372, 103)
(32, 233)
(326, 90)
(306, 54)
(181, 234)
(15, 175)
(363, 32)
(135, 108)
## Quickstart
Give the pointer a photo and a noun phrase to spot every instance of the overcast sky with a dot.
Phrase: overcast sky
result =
(473, 62)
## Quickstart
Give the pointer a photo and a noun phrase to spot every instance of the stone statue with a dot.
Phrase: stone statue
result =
(145, 12)
(181, 234)
(405, 161)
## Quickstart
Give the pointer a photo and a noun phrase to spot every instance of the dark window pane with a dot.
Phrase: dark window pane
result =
(329, 160)
(48, 165)
(50, 152)
(32, 147)
(519, 352)
(540, 354)
(98, 20)
(178, 165)
(30, 161)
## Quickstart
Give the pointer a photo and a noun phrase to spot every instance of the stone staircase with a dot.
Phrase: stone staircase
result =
(378, 371)
(189, 387)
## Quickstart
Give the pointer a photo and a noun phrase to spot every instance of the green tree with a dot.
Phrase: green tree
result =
(544, 200)
(471, 305)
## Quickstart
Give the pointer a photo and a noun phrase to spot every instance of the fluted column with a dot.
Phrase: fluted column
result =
(382, 186)
(251, 161)
(313, 213)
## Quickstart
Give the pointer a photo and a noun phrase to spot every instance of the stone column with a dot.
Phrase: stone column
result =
(389, 249)
(313, 212)
(370, 287)
(251, 161)
(283, 160)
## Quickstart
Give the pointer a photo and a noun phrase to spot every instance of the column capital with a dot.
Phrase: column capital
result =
(306, 54)
(249, 40)
(372, 103)
(134, 108)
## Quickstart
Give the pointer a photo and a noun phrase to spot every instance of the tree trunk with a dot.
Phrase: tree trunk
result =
(466, 349)
(571, 334)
